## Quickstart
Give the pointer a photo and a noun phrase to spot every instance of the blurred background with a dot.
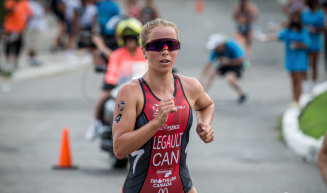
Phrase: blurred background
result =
(53, 59)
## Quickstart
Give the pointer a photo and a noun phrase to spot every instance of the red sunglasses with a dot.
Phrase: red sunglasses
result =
(161, 44)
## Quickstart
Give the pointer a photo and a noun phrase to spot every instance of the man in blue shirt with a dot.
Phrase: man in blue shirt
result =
(231, 58)
(104, 36)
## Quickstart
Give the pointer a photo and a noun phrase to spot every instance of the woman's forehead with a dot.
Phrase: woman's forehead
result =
(162, 32)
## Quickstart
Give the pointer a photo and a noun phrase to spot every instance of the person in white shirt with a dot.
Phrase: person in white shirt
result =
(36, 25)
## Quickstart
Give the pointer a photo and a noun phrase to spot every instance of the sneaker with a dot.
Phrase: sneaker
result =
(244, 100)
(294, 104)
(93, 130)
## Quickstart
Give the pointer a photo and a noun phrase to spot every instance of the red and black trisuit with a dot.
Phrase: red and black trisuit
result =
(160, 164)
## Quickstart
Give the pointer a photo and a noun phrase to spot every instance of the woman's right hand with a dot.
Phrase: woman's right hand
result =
(164, 108)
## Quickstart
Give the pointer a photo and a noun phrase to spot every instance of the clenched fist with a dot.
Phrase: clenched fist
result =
(205, 132)
(164, 108)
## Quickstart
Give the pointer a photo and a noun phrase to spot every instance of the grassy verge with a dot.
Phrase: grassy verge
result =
(313, 120)
(279, 128)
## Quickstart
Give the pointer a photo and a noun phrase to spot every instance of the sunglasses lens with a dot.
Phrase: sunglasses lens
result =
(158, 45)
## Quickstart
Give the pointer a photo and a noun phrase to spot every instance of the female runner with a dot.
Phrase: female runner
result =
(153, 117)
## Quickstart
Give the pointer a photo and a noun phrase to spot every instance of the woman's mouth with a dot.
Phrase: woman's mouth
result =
(164, 61)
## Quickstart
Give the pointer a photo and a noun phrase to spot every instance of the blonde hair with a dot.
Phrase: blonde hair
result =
(148, 27)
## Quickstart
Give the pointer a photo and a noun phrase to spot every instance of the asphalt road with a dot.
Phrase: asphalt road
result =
(246, 156)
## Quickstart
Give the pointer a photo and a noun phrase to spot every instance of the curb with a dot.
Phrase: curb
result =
(50, 70)
(302, 145)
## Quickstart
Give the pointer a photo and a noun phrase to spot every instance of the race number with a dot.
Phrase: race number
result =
(118, 118)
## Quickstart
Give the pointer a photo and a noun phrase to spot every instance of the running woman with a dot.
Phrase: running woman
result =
(244, 14)
(313, 19)
(297, 41)
(231, 57)
(153, 125)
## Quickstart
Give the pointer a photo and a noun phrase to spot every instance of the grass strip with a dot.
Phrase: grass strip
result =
(313, 120)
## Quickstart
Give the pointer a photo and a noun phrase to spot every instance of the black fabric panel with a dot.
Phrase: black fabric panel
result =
(134, 183)
(183, 168)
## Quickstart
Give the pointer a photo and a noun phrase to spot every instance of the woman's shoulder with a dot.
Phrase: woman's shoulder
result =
(190, 84)
(131, 89)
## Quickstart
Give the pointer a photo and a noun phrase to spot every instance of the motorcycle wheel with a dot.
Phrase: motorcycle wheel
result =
(119, 163)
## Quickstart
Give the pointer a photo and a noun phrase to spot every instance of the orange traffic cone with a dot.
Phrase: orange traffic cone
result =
(65, 161)
(199, 6)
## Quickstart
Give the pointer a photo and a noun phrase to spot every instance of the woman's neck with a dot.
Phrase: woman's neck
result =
(161, 83)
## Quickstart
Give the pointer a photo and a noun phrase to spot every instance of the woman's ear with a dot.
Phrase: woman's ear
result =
(144, 54)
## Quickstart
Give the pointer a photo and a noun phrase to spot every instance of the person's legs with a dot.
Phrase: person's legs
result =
(60, 34)
(97, 59)
(207, 84)
(245, 42)
(297, 78)
(7, 51)
(231, 78)
(17, 50)
(315, 58)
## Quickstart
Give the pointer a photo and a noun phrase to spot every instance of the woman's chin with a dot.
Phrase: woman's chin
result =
(165, 69)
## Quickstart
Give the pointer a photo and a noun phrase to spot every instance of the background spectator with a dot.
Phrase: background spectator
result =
(244, 14)
(149, 12)
(313, 19)
(57, 7)
(17, 14)
(324, 8)
(2, 12)
(292, 6)
(72, 13)
(134, 8)
(36, 25)
(297, 42)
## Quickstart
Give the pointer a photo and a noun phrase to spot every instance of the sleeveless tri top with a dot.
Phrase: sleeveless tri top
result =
(159, 166)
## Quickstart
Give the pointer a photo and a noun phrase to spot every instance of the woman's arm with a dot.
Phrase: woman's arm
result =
(126, 139)
(204, 107)
(298, 45)
(266, 38)
(205, 110)
(231, 62)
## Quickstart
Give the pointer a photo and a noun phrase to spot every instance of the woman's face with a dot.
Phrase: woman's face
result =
(164, 60)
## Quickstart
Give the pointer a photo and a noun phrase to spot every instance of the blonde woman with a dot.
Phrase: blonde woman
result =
(153, 125)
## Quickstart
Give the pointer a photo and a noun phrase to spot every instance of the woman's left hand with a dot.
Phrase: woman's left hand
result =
(205, 132)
